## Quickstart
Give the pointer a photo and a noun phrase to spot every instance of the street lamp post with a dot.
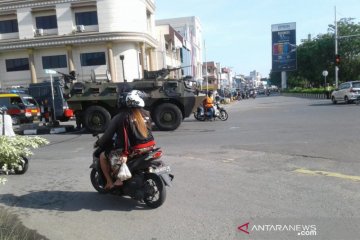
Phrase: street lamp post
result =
(206, 70)
(51, 72)
(122, 57)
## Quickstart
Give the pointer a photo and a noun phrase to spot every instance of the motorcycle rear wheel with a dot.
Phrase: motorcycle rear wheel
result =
(155, 192)
(97, 181)
(199, 118)
(223, 115)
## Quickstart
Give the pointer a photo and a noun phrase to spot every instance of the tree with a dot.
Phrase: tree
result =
(275, 78)
(318, 54)
(313, 57)
(349, 49)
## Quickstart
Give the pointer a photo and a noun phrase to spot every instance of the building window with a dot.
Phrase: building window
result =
(46, 22)
(92, 59)
(86, 18)
(9, 26)
(149, 21)
(58, 61)
(182, 55)
(18, 64)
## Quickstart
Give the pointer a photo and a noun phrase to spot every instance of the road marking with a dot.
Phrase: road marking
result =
(228, 160)
(328, 174)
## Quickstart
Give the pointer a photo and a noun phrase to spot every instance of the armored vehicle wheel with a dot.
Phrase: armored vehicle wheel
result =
(167, 117)
(96, 119)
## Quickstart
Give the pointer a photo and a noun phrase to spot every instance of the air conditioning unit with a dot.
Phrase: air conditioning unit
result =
(80, 28)
(39, 32)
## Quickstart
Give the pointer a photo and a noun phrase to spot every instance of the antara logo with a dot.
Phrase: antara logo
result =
(244, 228)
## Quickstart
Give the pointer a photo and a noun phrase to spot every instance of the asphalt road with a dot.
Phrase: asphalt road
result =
(277, 166)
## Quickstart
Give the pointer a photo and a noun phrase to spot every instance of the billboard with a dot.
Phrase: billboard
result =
(283, 47)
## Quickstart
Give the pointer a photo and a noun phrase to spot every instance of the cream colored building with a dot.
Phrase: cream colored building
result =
(191, 30)
(64, 35)
(168, 53)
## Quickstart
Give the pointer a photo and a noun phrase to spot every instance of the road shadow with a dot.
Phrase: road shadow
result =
(66, 201)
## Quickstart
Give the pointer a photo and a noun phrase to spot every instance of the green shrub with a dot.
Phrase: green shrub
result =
(307, 90)
(13, 148)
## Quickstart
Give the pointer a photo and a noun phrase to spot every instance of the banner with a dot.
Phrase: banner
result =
(284, 47)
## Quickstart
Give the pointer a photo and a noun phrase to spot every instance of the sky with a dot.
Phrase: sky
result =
(237, 33)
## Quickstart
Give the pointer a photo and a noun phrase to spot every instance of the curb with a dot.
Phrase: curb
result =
(307, 95)
(45, 130)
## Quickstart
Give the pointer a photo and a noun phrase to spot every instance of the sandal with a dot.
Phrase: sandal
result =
(118, 183)
(108, 187)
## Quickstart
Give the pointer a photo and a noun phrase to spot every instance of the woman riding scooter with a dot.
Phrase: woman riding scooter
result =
(131, 126)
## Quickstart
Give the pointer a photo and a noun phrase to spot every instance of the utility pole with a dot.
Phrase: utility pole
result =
(206, 70)
(336, 52)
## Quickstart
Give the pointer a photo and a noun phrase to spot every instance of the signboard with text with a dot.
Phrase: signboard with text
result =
(284, 47)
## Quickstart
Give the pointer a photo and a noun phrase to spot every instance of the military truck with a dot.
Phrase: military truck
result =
(168, 100)
(41, 92)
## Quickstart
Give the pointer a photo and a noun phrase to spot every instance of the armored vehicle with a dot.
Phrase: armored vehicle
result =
(168, 100)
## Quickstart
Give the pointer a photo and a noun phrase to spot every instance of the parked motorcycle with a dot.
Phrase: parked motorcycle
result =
(220, 113)
(147, 184)
(252, 93)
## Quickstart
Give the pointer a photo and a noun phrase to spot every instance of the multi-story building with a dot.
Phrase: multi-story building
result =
(91, 37)
(211, 75)
(168, 53)
(190, 29)
(255, 78)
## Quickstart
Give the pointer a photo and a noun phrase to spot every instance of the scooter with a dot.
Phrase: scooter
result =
(219, 113)
(252, 94)
(150, 176)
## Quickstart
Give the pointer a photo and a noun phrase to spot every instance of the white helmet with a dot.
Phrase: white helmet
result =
(134, 99)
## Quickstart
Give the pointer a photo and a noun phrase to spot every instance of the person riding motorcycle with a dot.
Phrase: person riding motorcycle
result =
(208, 104)
(128, 134)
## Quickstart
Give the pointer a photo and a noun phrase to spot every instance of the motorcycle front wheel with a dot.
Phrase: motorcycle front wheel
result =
(155, 192)
(97, 181)
(223, 115)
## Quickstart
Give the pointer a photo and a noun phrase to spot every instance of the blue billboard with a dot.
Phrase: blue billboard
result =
(284, 47)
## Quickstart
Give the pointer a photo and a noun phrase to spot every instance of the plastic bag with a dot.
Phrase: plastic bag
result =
(124, 172)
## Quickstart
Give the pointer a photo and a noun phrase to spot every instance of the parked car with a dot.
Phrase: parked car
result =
(21, 107)
(347, 92)
(261, 91)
